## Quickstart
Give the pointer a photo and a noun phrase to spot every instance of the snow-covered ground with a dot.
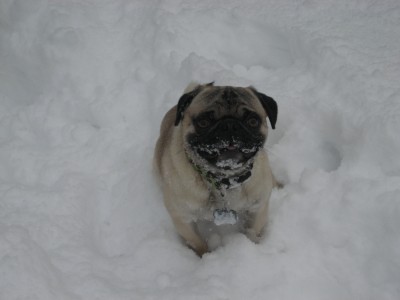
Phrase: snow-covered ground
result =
(83, 88)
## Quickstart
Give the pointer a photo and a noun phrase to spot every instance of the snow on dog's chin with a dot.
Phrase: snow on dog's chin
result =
(230, 160)
(226, 156)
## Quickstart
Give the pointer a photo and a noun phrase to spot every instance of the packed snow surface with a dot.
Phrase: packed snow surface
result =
(83, 88)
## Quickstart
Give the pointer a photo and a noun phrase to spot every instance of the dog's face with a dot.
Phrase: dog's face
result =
(224, 126)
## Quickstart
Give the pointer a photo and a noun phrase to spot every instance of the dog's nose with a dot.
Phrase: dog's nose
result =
(229, 125)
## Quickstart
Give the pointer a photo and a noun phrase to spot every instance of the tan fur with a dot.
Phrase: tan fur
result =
(186, 195)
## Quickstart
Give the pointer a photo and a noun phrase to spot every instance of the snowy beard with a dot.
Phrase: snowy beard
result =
(224, 155)
(224, 165)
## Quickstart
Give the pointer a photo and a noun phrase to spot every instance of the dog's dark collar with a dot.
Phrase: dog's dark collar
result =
(220, 181)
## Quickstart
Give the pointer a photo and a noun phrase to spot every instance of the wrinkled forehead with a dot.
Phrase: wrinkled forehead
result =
(226, 100)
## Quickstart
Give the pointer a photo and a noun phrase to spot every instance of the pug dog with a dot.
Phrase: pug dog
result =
(211, 162)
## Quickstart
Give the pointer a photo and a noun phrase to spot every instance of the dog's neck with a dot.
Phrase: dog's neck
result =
(219, 179)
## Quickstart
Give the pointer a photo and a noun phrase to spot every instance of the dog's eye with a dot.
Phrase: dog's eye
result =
(253, 122)
(203, 123)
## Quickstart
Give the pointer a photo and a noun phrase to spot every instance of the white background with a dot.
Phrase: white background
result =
(83, 88)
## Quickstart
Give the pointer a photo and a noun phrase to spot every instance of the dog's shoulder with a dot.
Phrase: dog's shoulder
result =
(166, 128)
(168, 120)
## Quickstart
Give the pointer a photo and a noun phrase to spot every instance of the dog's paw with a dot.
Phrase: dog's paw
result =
(200, 251)
(254, 236)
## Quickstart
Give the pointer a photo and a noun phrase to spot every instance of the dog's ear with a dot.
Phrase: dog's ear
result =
(192, 90)
(269, 105)
(184, 102)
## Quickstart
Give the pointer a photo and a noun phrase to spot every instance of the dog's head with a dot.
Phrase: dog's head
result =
(224, 126)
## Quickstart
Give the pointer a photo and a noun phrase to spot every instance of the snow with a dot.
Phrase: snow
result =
(83, 88)
(229, 164)
(224, 216)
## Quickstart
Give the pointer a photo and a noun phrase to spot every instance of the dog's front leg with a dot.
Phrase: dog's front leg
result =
(256, 224)
(188, 233)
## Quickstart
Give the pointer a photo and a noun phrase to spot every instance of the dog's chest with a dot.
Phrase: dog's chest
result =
(229, 207)
(231, 200)
(228, 199)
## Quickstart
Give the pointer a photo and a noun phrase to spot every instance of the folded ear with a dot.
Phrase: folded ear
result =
(192, 91)
(183, 104)
(269, 105)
